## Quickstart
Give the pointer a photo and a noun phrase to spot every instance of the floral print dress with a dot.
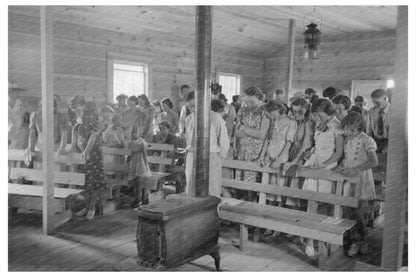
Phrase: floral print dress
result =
(249, 148)
(93, 168)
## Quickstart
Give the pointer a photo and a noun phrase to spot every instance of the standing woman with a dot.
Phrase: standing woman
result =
(132, 117)
(149, 111)
(251, 129)
(86, 139)
(328, 150)
(169, 115)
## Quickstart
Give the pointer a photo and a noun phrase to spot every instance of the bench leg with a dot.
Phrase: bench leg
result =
(216, 255)
(243, 236)
(323, 254)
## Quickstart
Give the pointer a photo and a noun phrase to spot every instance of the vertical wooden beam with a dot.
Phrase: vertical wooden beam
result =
(47, 117)
(203, 39)
(397, 161)
(291, 55)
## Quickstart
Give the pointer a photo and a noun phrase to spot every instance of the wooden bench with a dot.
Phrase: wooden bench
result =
(118, 178)
(327, 230)
(29, 196)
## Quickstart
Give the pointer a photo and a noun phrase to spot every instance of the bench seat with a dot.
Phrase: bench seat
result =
(304, 224)
(35, 190)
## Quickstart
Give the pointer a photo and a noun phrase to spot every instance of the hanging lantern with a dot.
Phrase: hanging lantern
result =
(312, 37)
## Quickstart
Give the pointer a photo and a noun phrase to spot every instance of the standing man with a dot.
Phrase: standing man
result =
(378, 120)
(219, 144)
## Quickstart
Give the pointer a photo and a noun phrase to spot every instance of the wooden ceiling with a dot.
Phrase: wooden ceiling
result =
(258, 30)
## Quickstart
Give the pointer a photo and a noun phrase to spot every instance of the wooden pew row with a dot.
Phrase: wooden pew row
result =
(29, 196)
(329, 231)
(160, 156)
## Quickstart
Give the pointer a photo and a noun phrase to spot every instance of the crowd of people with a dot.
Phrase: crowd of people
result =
(327, 132)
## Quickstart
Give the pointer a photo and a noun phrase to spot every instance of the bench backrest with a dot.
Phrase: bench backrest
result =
(264, 188)
(160, 154)
(67, 178)
(19, 155)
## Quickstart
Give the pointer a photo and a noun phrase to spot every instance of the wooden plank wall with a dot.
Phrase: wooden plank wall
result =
(364, 57)
(80, 59)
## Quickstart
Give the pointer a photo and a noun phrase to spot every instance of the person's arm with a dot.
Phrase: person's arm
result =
(368, 125)
(74, 138)
(91, 141)
(307, 143)
(224, 140)
(182, 118)
(255, 133)
(372, 162)
(33, 134)
(339, 151)
(63, 126)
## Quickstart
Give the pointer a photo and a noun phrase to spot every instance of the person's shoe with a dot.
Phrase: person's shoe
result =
(81, 212)
(354, 249)
(309, 250)
(90, 214)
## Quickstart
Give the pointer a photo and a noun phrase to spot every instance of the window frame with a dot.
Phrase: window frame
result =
(128, 60)
(239, 80)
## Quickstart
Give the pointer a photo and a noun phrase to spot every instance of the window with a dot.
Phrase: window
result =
(129, 78)
(230, 84)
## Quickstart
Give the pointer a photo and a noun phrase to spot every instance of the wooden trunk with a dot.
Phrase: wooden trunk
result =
(175, 231)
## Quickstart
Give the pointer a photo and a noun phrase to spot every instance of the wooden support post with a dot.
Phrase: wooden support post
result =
(291, 53)
(397, 158)
(243, 236)
(46, 36)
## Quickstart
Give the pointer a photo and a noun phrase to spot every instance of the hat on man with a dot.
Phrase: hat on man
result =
(378, 93)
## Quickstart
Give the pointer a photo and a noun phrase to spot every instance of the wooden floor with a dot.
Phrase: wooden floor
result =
(107, 243)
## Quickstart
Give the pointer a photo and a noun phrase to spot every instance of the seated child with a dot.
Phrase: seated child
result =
(359, 158)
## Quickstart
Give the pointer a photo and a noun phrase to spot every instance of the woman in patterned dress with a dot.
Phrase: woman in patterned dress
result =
(86, 139)
(169, 115)
(250, 131)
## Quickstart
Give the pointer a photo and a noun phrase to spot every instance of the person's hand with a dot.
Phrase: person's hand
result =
(275, 165)
(350, 172)
(28, 156)
(293, 169)
(338, 169)
(307, 154)
(85, 155)
(61, 151)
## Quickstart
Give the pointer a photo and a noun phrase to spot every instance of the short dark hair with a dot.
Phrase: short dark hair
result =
(217, 105)
(184, 86)
(120, 96)
(168, 102)
(254, 91)
(235, 98)
(322, 105)
(378, 93)
(300, 102)
(134, 99)
(222, 96)
(279, 91)
(165, 124)
(308, 91)
(274, 105)
(329, 92)
(356, 109)
(190, 96)
(76, 101)
(342, 99)
(359, 98)
(353, 119)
